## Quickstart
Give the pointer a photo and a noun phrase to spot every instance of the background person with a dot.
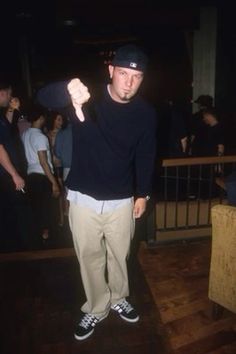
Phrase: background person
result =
(55, 122)
(41, 182)
(63, 151)
(214, 143)
(197, 126)
(11, 178)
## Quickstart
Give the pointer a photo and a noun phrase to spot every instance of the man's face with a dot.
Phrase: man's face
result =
(125, 83)
(5, 96)
(208, 118)
(42, 121)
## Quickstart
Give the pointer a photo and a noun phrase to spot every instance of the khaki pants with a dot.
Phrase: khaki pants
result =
(102, 241)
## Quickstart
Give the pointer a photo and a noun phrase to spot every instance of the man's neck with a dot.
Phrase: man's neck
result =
(109, 89)
(36, 125)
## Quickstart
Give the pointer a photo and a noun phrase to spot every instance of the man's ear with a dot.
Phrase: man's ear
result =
(111, 70)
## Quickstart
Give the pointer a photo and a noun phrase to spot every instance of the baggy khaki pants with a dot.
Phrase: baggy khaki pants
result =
(102, 241)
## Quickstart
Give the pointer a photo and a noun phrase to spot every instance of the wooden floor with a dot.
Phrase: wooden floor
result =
(41, 293)
(40, 298)
(177, 276)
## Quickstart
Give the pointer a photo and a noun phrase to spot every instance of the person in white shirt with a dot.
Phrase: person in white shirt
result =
(42, 184)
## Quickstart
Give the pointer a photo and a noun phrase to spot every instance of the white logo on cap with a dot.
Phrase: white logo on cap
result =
(133, 65)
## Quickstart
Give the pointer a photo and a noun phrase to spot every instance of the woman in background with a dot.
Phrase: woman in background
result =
(55, 123)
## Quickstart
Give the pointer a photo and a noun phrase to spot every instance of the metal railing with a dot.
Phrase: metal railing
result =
(186, 190)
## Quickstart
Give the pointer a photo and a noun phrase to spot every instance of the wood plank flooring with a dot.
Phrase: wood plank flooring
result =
(41, 294)
(177, 276)
(40, 301)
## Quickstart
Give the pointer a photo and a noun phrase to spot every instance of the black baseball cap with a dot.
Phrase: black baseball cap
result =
(204, 100)
(130, 56)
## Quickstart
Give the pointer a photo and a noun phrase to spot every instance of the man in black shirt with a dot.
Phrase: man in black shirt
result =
(114, 144)
(214, 143)
(10, 179)
(197, 128)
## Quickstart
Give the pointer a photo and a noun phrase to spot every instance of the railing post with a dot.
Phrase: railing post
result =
(151, 222)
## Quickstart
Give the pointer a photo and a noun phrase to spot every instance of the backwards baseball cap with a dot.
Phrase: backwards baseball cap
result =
(130, 56)
(205, 100)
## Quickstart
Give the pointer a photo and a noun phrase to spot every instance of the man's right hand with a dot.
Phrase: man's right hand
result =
(19, 182)
(79, 95)
(55, 190)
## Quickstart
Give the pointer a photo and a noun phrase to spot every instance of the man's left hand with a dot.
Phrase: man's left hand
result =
(139, 207)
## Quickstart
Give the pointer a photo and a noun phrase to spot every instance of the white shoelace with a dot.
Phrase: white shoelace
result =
(88, 320)
(123, 306)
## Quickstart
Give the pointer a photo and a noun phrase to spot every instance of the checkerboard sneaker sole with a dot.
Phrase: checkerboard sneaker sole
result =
(86, 326)
(126, 311)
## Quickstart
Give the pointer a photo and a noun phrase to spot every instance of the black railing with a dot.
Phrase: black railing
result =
(186, 190)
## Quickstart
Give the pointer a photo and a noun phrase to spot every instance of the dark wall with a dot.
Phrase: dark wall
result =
(226, 74)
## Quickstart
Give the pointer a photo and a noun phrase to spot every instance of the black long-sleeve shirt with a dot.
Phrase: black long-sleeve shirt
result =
(113, 153)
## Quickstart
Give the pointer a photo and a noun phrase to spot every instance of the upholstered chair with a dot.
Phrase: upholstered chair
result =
(222, 280)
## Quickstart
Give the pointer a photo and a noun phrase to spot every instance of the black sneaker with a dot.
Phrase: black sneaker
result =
(126, 311)
(86, 326)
